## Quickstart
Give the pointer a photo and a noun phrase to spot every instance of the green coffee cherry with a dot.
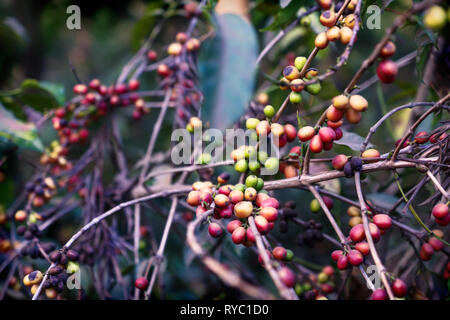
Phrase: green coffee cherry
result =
(295, 97)
(271, 163)
(251, 181)
(300, 62)
(262, 156)
(259, 185)
(314, 206)
(250, 152)
(306, 286)
(240, 187)
(72, 267)
(314, 88)
(204, 158)
(241, 166)
(289, 255)
(322, 277)
(269, 111)
(251, 123)
(254, 166)
(264, 191)
(298, 289)
(189, 128)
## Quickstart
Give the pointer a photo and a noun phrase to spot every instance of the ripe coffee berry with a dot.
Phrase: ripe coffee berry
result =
(279, 253)
(356, 163)
(141, 283)
(339, 161)
(379, 294)
(399, 288)
(440, 211)
(387, 71)
(382, 221)
(215, 230)
(388, 50)
(287, 276)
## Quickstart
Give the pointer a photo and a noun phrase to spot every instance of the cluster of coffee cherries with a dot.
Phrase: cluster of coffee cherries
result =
(292, 79)
(323, 284)
(440, 214)
(312, 233)
(321, 139)
(238, 202)
(337, 30)
(278, 257)
(387, 69)
(398, 287)
(433, 244)
(350, 165)
(286, 213)
(359, 247)
(39, 191)
(55, 155)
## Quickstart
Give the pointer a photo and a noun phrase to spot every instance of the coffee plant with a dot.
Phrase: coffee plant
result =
(333, 184)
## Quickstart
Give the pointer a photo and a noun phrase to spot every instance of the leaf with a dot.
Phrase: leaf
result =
(21, 133)
(286, 15)
(227, 70)
(351, 140)
(40, 96)
(144, 25)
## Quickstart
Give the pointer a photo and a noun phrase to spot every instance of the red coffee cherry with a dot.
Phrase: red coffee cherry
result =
(193, 198)
(290, 131)
(382, 221)
(133, 85)
(421, 137)
(215, 230)
(363, 247)
(262, 224)
(232, 225)
(279, 253)
(379, 294)
(270, 202)
(336, 254)
(387, 71)
(436, 243)
(141, 283)
(80, 88)
(339, 161)
(355, 257)
(287, 276)
(342, 262)
(238, 235)
(236, 196)
(399, 288)
(357, 233)
(338, 132)
(316, 144)
(426, 252)
(440, 211)
(270, 213)
(334, 114)
(243, 209)
(327, 134)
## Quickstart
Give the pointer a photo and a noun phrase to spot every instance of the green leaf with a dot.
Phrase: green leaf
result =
(285, 16)
(227, 70)
(384, 201)
(40, 96)
(21, 133)
(144, 25)
(351, 140)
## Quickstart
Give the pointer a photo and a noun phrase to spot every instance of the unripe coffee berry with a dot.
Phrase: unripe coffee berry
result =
(269, 111)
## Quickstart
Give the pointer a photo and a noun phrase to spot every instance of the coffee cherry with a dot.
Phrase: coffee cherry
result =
(356, 163)
(340, 102)
(370, 153)
(241, 166)
(270, 213)
(314, 88)
(387, 71)
(357, 233)
(33, 278)
(399, 288)
(215, 230)
(440, 211)
(232, 225)
(358, 103)
(352, 116)
(141, 283)
(279, 253)
(316, 144)
(152, 55)
(325, 4)
(290, 132)
(306, 133)
(342, 262)
(243, 209)
(314, 206)
(299, 62)
(363, 247)
(20, 215)
(163, 70)
(287, 276)
(262, 224)
(327, 134)
(421, 137)
(355, 257)
(272, 164)
(297, 85)
(426, 252)
(269, 111)
(221, 200)
(350, 21)
(80, 89)
(333, 34)
(205, 196)
(250, 194)
(388, 50)
(276, 129)
(354, 221)
(382, 221)
(435, 18)
(346, 34)
(336, 254)
(260, 198)
(339, 161)
(435, 243)
(291, 73)
(133, 85)
(328, 18)
(284, 84)
(263, 128)
(238, 235)
(311, 73)
(321, 40)
(379, 294)
(334, 114)
(72, 255)
(295, 97)
(335, 126)
(443, 222)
